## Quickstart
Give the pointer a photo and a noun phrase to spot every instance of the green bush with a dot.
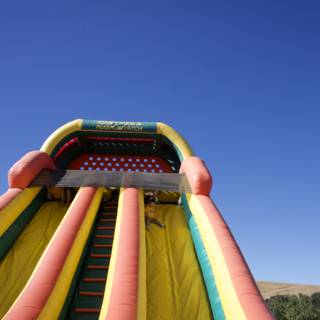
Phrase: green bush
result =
(292, 307)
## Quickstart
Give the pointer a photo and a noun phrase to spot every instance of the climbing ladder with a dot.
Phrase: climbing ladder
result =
(87, 299)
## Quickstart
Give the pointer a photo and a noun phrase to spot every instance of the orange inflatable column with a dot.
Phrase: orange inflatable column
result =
(123, 295)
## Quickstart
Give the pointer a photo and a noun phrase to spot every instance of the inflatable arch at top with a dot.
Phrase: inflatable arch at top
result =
(73, 238)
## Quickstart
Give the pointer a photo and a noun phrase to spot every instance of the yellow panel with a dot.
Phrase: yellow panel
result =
(175, 288)
(59, 134)
(18, 264)
(175, 138)
(11, 212)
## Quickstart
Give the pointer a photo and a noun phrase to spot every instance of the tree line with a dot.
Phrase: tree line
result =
(295, 307)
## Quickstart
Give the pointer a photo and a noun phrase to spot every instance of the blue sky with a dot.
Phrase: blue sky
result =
(239, 79)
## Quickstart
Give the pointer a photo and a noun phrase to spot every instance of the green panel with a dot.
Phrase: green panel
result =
(119, 126)
(8, 238)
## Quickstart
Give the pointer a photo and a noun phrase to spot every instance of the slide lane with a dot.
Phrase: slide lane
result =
(19, 262)
(175, 289)
(47, 289)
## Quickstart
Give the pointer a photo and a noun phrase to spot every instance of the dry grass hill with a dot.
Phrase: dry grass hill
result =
(269, 289)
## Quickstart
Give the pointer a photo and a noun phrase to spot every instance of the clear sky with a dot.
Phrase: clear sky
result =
(239, 79)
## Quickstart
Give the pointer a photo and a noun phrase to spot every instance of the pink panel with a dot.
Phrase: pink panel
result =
(198, 175)
(124, 294)
(28, 167)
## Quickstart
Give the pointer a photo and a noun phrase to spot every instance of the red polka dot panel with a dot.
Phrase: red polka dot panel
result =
(116, 163)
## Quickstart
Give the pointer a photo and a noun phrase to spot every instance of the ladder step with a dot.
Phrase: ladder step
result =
(105, 227)
(98, 255)
(104, 236)
(110, 205)
(102, 245)
(96, 267)
(91, 294)
(94, 279)
(107, 220)
(86, 310)
(109, 215)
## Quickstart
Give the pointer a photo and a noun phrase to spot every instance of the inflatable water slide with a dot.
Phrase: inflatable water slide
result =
(73, 236)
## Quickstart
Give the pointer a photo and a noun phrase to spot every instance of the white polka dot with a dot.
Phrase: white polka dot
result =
(138, 160)
(149, 165)
(134, 165)
(101, 164)
(105, 169)
(81, 168)
(121, 159)
(106, 159)
(109, 164)
(145, 170)
(141, 165)
(90, 168)
(152, 170)
(130, 160)
(121, 169)
(114, 169)
(98, 158)
(129, 170)
(94, 163)
(90, 158)
(145, 160)
(125, 164)
(137, 170)
(117, 164)
(86, 163)
(114, 159)
(153, 160)
(98, 169)
(157, 166)
(160, 171)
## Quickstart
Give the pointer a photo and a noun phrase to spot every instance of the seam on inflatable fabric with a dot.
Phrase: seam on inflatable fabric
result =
(9, 236)
(208, 275)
